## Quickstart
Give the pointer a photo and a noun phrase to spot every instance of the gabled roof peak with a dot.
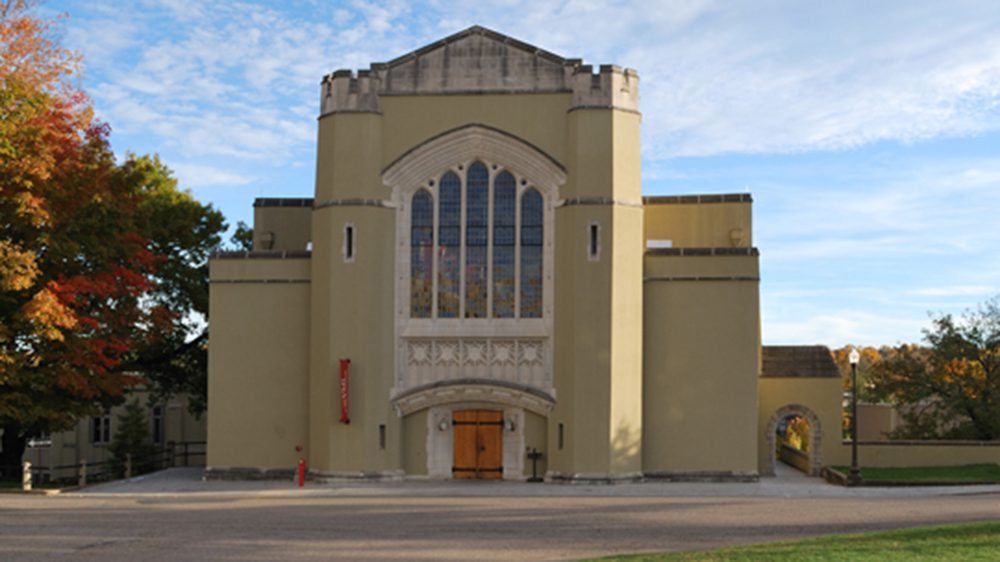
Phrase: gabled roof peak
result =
(486, 33)
(478, 60)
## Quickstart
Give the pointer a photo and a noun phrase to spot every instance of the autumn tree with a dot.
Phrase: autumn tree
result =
(950, 388)
(183, 233)
(868, 357)
(102, 266)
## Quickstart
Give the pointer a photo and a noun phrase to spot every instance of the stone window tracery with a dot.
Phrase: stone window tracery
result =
(449, 245)
(504, 223)
(532, 234)
(421, 254)
(480, 255)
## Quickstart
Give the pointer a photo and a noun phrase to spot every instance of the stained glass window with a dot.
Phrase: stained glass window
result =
(421, 254)
(476, 224)
(449, 245)
(532, 220)
(478, 244)
(504, 216)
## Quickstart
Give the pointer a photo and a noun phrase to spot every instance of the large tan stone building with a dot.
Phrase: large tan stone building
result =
(479, 249)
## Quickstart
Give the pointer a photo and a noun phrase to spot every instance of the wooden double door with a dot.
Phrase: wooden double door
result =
(478, 440)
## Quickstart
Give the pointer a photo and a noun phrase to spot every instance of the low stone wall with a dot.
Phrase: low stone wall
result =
(794, 457)
(891, 454)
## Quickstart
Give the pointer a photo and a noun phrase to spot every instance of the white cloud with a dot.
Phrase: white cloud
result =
(198, 175)
(955, 290)
(842, 327)
(912, 207)
(234, 86)
(716, 77)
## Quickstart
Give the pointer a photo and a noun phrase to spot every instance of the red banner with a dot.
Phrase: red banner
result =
(344, 415)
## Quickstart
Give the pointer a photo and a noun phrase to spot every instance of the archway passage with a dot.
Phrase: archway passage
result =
(793, 442)
(478, 443)
(815, 439)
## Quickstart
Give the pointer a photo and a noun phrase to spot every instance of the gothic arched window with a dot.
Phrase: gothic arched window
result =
(477, 221)
(465, 259)
(449, 245)
(532, 221)
(504, 223)
(421, 254)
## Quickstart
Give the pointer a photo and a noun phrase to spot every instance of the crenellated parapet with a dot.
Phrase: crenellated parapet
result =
(342, 91)
(480, 61)
(611, 86)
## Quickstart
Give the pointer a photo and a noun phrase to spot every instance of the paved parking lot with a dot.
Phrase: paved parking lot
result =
(175, 516)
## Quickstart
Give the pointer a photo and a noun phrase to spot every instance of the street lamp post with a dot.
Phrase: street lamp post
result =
(855, 477)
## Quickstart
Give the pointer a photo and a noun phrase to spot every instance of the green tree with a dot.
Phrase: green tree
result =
(242, 238)
(103, 266)
(950, 388)
(868, 358)
(132, 437)
(184, 233)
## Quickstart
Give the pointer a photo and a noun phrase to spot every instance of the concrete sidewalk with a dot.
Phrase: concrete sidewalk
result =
(789, 483)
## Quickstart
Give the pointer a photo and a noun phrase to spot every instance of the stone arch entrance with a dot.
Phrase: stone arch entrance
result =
(815, 437)
(448, 423)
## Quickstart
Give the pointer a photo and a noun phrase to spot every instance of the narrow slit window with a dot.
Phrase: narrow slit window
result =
(381, 436)
(349, 242)
(594, 242)
(560, 436)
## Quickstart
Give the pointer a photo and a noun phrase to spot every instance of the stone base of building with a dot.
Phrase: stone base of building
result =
(247, 473)
(330, 476)
(593, 478)
(700, 476)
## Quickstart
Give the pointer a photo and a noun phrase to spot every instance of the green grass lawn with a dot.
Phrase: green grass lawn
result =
(975, 541)
(967, 473)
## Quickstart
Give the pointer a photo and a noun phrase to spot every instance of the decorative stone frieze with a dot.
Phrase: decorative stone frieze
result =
(430, 360)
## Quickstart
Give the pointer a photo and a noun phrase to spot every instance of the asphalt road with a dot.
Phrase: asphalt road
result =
(429, 523)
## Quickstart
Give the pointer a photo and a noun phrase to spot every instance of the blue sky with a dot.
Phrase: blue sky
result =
(867, 132)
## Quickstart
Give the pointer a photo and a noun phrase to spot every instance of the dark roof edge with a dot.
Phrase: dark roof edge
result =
(721, 251)
(697, 199)
(283, 202)
(261, 254)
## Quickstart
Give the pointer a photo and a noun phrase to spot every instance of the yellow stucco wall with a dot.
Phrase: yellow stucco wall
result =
(701, 353)
(414, 443)
(536, 436)
(877, 421)
(919, 454)
(258, 360)
(699, 225)
(352, 319)
(820, 395)
(598, 301)
(536, 118)
(286, 228)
